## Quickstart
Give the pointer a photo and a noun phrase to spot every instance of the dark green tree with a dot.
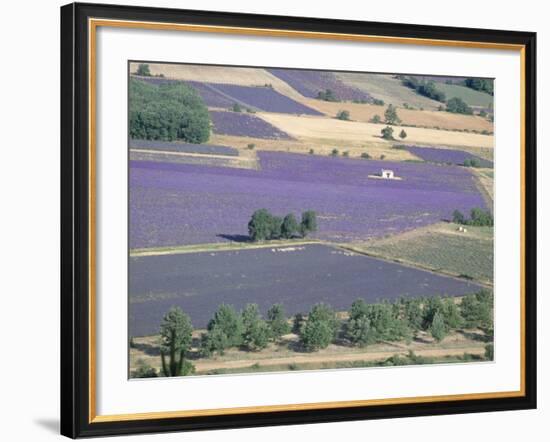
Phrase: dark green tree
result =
(391, 115)
(175, 341)
(224, 330)
(320, 327)
(256, 332)
(215, 340)
(343, 115)
(402, 134)
(236, 107)
(260, 225)
(480, 217)
(290, 226)
(387, 133)
(277, 321)
(457, 106)
(275, 227)
(327, 95)
(414, 313)
(308, 223)
(360, 331)
(451, 314)
(458, 217)
(376, 119)
(438, 328)
(143, 70)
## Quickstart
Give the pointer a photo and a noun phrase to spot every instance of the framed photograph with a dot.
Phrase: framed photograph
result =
(279, 220)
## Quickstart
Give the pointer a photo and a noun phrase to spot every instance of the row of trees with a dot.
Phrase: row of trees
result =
(167, 112)
(265, 226)
(366, 324)
(478, 217)
(480, 84)
(401, 320)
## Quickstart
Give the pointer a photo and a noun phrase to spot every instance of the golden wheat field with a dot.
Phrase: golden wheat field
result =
(432, 119)
(319, 128)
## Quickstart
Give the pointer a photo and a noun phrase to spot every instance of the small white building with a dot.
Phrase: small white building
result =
(387, 174)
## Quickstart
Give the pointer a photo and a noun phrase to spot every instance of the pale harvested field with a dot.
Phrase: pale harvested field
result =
(375, 148)
(455, 344)
(332, 130)
(427, 118)
(222, 74)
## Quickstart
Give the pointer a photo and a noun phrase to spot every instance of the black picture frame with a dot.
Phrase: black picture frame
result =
(75, 221)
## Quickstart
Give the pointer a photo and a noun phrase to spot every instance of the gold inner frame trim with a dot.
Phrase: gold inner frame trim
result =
(93, 24)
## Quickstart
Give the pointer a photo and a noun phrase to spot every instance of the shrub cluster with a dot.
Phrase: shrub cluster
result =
(478, 217)
(457, 105)
(265, 226)
(471, 162)
(343, 115)
(425, 88)
(327, 95)
(167, 112)
(480, 84)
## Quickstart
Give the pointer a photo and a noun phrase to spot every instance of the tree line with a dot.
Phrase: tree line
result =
(265, 226)
(364, 324)
(478, 217)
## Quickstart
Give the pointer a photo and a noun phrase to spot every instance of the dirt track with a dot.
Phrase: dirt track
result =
(309, 359)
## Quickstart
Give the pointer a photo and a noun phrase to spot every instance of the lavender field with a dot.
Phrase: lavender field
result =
(262, 98)
(245, 125)
(310, 83)
(177, 204)
(200, 282)
(446, 156)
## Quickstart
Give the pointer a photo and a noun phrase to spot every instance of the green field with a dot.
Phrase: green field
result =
(441, 248)
(470, 96)
(389, 89)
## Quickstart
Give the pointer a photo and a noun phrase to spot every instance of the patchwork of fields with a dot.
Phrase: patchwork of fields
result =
(297, 277)
(174, 204)
(274, 140)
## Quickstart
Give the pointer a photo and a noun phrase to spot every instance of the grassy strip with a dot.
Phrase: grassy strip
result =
(218, 247)
(393, 361)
